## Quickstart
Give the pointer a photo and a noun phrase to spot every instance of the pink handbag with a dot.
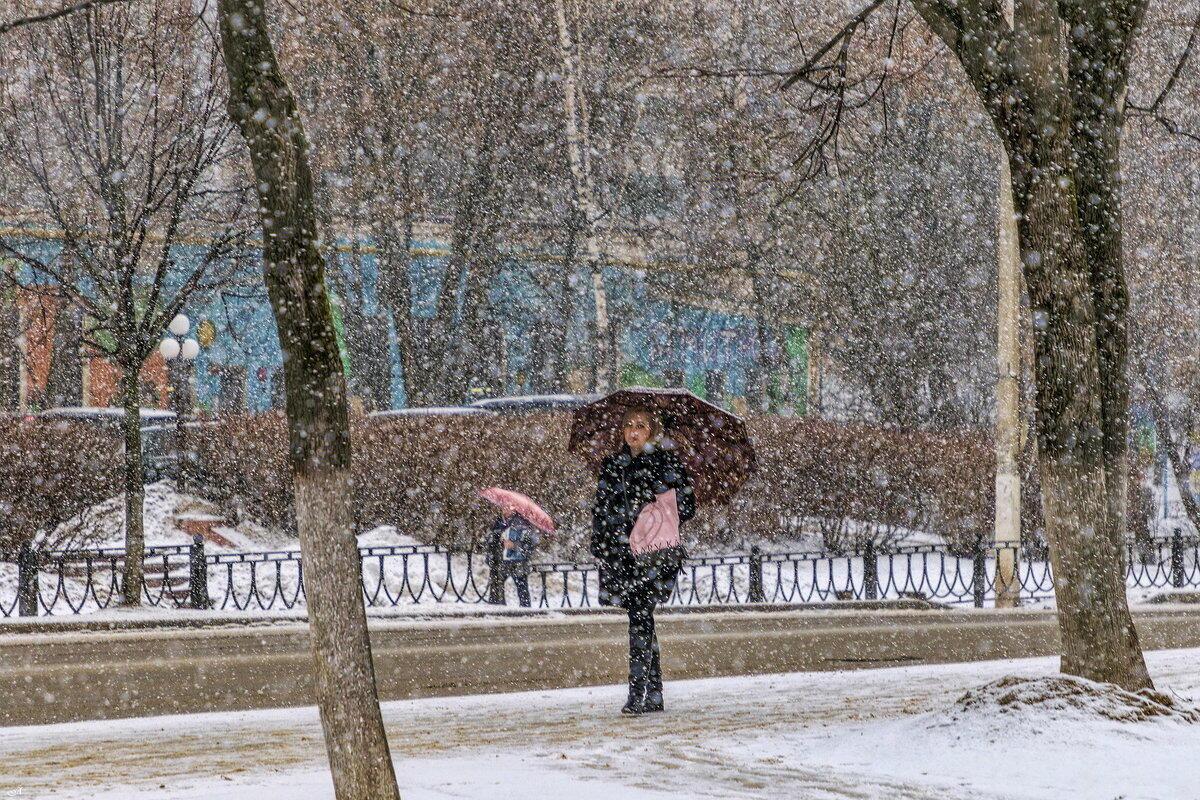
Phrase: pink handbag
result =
(657, 526)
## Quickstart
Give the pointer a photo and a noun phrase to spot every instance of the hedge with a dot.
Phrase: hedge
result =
(420, 474)
(50, 474)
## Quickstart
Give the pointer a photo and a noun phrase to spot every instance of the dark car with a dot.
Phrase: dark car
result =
(107, 415)
(520, 404)
(157, 429)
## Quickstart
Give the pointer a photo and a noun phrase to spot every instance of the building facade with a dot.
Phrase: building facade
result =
(666, 334)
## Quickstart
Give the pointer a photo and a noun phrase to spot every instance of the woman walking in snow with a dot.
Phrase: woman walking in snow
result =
(642, 495)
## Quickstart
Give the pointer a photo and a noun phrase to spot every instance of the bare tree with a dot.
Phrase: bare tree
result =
(904, 294)
(579, 156)
(115, 140)
(319, 430)
(1062, 138)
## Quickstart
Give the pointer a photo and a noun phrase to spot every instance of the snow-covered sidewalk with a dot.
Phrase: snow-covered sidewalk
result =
(865, 734)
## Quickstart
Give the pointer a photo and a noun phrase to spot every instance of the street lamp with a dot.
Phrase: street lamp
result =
(179, 355)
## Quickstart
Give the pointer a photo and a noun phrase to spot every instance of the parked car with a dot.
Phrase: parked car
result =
(157, 428)
(428, 411)
(518, 404)
(108, 415)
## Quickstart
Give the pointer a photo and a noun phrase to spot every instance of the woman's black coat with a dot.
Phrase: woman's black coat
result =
(626, 484)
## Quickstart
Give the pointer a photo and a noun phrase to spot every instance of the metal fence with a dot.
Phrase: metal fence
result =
(77, 582)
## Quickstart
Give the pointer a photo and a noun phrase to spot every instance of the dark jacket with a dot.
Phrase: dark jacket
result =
(626, 484)
(515, 560)
(525, 538)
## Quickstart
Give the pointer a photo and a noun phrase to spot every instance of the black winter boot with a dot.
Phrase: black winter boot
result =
(636, 704)
(654, 683)
(641, 657)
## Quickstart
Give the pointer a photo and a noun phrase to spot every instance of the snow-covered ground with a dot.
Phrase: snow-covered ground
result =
(891, 733)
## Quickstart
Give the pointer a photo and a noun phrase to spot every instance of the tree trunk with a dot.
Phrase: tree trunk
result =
(482, 338)
(578, 156)
(1162, 424)
(452, 337)
(264, 109)
(557, 366)
(1099, 641)
(395, 293)
(367, 343)
(365, 331)
(1098, 69)
(135, 536)
(1054, 85)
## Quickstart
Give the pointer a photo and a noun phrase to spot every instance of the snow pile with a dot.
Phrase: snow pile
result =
(1027, 701)
(103, 525)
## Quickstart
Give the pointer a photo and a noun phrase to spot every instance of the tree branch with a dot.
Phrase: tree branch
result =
(844, 35)
(49, 16)
(1152, 109)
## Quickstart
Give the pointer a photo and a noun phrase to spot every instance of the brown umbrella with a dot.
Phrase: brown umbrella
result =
(711, 442)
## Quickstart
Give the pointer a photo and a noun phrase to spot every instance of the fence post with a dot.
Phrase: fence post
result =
(198, 574)
(979, 573)
(870, 571)
(27, 581)
(1177, 577)
(756, 581)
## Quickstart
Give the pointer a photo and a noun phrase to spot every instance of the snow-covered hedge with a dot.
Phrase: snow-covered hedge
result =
(52, 472)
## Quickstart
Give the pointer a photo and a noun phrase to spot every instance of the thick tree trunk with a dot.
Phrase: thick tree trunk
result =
(265, 110)
(135, 535)
(1099, 641)
(1098, 68)
(1054, 85)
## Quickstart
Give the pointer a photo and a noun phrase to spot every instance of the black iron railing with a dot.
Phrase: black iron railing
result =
(83, 581)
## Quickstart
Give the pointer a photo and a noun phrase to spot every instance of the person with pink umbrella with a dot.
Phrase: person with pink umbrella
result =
(515, 534)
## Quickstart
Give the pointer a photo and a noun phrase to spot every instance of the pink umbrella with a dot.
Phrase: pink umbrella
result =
(508, 499)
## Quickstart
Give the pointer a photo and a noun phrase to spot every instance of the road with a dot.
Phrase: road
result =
(49, 676)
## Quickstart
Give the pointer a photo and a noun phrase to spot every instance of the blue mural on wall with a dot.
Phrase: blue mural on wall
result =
(658, 336)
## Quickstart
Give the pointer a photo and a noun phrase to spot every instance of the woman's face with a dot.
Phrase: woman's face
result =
(637, 431)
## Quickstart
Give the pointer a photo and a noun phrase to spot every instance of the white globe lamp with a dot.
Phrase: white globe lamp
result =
(180, 325)
(190, 349)
(169, 348)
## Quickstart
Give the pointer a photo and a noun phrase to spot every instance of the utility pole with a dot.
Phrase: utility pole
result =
(1008, 479)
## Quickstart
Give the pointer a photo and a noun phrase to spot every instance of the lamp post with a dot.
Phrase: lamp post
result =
(179, 350)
